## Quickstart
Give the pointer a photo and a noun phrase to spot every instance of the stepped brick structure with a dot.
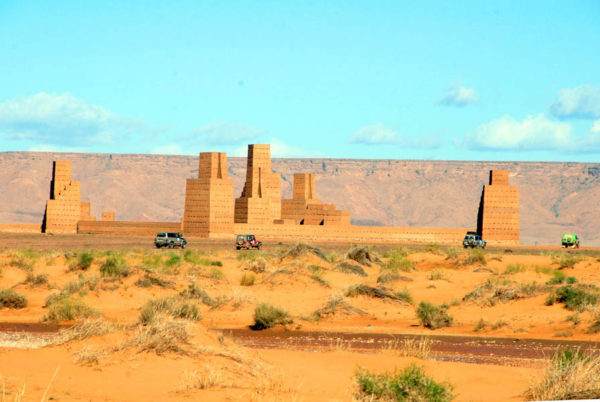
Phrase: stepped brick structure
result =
(108, 216)
(85, 212)
(63, 209)
(260, 201)
(305, 209)
(498, 217)
(209, 202)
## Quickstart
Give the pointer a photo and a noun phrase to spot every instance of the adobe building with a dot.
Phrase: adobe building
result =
(305, 209)
(498, 216)
(209, 206)
(108, 216)
(64, 208)
(260, 202)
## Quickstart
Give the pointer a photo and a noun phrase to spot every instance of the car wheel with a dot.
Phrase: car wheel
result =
(183, 245)
(170, 245)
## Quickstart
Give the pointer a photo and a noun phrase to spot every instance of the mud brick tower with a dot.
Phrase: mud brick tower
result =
(209, 204)
(108, 216)
(305, 209)
(498, 217)
(260, 202)
(85, 212)
(64, 208)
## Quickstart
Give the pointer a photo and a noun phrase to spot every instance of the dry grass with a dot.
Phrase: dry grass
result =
(571, 375)
(85, 329)
(410, 347)
(163, 334)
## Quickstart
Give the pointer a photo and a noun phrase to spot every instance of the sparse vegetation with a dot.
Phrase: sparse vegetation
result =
(410, 384)
(363, 256)
(150, 280)
(114, 266)
(303, 248)
(433, 317)
(378, 293)
(350, 268)
(594, 327)
(194, 291)
(176, 307)
(84, 261)
(574, 298)
(481, 325)
(258, 265)
(336, 303)
(247, 280)
(476, 256)
(36, 280)
(216, 273)
(514, 269)
(67, 308)
(11, 299)
(565, 261)
(268, 316)
(398, 262)
(499, 324)
(436, 275)
(571, 375)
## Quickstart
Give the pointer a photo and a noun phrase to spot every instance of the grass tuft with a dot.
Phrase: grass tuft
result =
(268, 316)
(65, 308)
(176, 307)
(11, 299)
(433, 317)
(114, 266)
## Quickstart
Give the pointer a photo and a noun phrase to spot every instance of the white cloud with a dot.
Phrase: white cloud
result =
(460, 96)
(223, 133)
(378, 134)
(534, 133)
(50, 119)
(375, 134)
(580, 102)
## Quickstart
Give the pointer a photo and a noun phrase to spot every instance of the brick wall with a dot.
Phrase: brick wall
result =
(498, 220)
(127, 228)
(63, 209)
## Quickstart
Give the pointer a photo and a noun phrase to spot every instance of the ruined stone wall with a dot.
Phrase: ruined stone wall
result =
(498, 220)
(108, 216)
(21, 227)
(85, 212)
(260, 201)
(353, 234)
(63, 209)
(127, 228)
(209, 205)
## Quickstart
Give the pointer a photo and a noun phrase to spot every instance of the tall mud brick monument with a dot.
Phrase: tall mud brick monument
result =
(305, 209)
(498, 217)
(209, 203)
(64, 208)
(260, 202)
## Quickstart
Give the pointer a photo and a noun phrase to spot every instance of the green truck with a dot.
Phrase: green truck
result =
(570, 240)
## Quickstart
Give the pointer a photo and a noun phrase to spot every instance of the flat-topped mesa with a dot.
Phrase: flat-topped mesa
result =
(305, 209)
(64, 208)
(208, 210)
(260, 202)
(498, 217)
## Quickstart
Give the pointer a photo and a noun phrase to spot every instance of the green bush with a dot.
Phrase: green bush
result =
(267, 316)
(398, 263)
(575, 298)
(84, 261)
(11, 299)
(247, 280)
(565, 261)
(114, 266)
(410, 384)
(174, 306)
(433, 317)
(36, 280)
(64, 308)
(514, 268)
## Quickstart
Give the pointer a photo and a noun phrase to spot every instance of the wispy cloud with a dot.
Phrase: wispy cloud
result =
(63, 120)
(582, 102)
(224, 133)
(459, 96)
(534, 133)
(378, 134)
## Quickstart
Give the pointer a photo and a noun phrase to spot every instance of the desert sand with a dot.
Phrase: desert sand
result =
(103, 351)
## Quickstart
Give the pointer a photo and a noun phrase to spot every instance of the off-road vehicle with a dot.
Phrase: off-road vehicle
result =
(170, 239)
(473, 240)
(247, 242)
(570, 240)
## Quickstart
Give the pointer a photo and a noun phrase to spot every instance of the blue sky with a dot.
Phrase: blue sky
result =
(345, 79)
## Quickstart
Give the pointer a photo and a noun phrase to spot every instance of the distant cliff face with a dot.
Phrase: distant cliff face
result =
(554, 197)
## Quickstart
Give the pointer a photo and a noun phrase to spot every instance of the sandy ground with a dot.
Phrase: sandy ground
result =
(127, 363)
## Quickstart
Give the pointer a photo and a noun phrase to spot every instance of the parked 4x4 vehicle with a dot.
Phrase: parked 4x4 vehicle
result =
(473, 240)
(247, 242)
(570, 240)
(170, 239)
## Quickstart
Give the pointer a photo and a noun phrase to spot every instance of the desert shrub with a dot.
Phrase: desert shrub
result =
(163, 334)
(499, 324)
(22, 262)
(570, 375)
(476, 256)
(336, 303)
(36, 280)
(254, 254)
(433, 317)
(193, 256)
(216, 273)
(481, 324)
(485, 288)
(558, 277)
(378, 293)
(434, 249)
(150, 280)
(194, 291)
(514, 292)
(594, 328)
(172, 261)
(84, 261)
(247, 280)
(350, 268)
(176, 307)
(387, 277)
(575, 298)
(303, 248)
(363, 256)
(11, 299)
(114, 266)
(565, 261)
(65, 308)
(396, 253)
(514, 269)
(436, 275)
(452, 253)
(257, 265)
(398, 263)
(544, 269)
(267, 316)
(84, 329)
(410, 384)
